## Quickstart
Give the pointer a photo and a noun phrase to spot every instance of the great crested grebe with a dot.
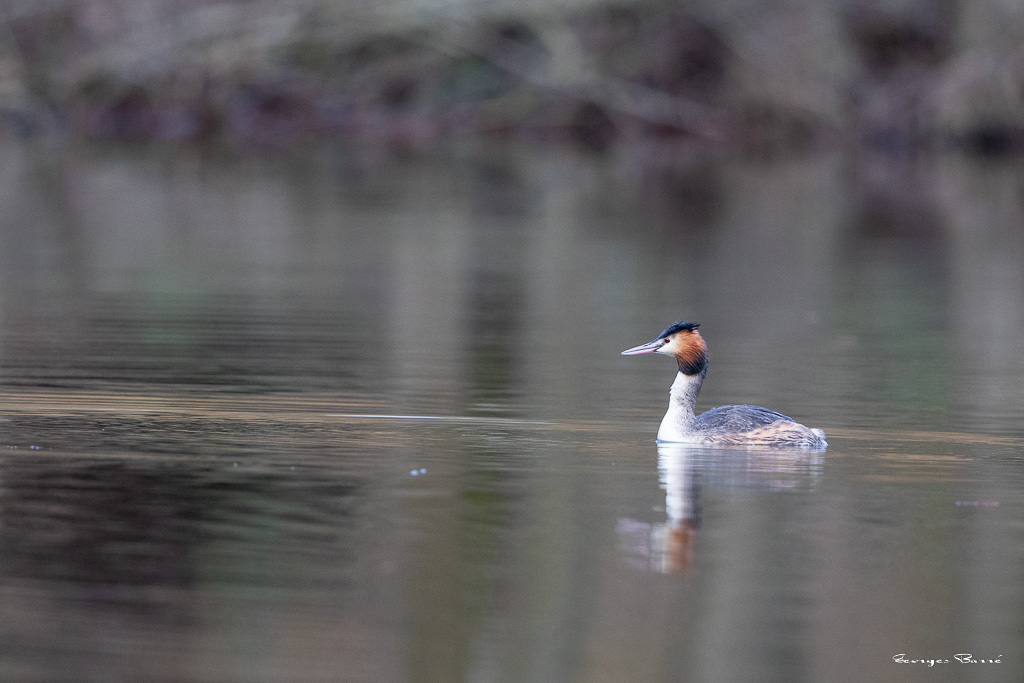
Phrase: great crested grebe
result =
(744, 424)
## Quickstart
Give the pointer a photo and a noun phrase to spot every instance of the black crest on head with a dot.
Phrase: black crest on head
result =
(681, 326)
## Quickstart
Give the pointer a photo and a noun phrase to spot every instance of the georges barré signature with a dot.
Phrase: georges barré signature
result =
(963, 658)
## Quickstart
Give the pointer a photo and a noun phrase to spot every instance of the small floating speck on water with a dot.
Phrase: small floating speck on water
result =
(235, 465)
(414, 472)
(293, 468)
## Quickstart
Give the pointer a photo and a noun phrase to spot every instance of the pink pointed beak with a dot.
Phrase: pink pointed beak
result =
(649, 347)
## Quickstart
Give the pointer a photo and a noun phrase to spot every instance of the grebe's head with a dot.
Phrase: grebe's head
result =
(682, 341)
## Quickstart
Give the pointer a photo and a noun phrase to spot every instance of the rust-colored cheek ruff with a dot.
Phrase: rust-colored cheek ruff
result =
(692, 354)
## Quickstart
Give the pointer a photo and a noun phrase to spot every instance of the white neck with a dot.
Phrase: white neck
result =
(677, 425)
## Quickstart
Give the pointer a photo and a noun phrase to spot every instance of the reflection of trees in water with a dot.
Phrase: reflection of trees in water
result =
(90, 525)
(425, 284)
(984, 208)
(933, 286)
(264, 270)
(498, 260)
(102, 554)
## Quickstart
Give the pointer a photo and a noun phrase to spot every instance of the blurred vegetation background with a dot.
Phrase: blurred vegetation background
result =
(898, 75)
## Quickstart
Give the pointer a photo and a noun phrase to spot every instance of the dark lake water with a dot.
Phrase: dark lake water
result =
(354, 416)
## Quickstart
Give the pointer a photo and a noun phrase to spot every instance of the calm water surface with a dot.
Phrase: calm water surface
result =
(358, 417)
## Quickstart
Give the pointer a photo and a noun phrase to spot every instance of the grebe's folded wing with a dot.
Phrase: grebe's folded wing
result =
(737, 419)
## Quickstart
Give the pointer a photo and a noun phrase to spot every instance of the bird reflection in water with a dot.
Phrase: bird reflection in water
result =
(683, 472)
